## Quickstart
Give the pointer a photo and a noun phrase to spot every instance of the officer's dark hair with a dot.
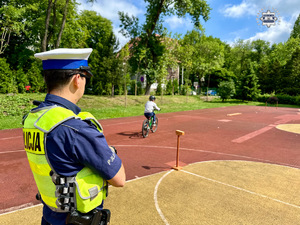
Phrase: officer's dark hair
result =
(55, 79)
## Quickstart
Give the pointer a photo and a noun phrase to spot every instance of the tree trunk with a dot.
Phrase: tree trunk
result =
(3, 44)
(148, 86)
(135, 87)
(125, 91)
(51, 31)
(207, 88)
(186, 94)
(112, 90)
(150, 31)
(44, 41)
(62, 24)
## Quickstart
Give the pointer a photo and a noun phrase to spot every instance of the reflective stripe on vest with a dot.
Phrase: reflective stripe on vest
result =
(90, 187)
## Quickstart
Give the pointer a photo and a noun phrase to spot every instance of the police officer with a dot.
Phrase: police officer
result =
(68, 154)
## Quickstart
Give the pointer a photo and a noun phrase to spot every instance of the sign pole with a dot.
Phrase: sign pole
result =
(178, 133)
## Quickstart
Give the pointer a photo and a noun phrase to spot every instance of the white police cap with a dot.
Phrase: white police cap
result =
(66, 59)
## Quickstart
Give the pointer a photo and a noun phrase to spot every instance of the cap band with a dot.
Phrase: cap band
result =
(63, 64)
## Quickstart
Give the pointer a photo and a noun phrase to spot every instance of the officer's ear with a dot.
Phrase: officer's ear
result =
(76, 80)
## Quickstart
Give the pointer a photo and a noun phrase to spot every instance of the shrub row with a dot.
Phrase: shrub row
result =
(282, 99)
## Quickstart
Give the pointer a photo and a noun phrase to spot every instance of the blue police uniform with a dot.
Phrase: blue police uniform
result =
(73, 145)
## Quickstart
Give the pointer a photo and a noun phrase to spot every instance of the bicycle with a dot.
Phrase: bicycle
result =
(148, 124)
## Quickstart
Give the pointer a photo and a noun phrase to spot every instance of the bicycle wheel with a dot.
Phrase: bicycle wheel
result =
(154, 125)
(145, 128)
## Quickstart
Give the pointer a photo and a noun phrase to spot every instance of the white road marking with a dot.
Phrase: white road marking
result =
(242, 189)
(155, 198)
(211, 152)
(8, 138)
(13, 151)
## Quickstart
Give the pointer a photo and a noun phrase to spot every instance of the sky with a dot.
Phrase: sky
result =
(229, 20)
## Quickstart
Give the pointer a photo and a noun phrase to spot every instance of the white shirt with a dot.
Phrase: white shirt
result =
(150, 106)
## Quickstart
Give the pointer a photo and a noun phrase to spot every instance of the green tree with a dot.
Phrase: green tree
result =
(20, 18)
(175, 86)
(187, 87)
(5, 77)
(240, 54)
(275, 78)
(296, 29)
(221, 74)
(226, 89)
(169, 87)
(284, 51)
(11, 22)
(260, 50)
(291, 78)
(57, 14)
(159, 90)
(98, 34)
(248, 88)
(150, 35)
(21, 80)
(263, 74)
(201, 56)
(35, 78)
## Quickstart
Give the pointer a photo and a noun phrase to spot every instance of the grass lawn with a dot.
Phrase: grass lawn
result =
(13, 107)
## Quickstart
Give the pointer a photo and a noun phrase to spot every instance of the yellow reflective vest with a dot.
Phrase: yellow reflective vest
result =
(90, 189)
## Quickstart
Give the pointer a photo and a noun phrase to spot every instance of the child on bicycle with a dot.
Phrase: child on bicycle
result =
(150, 106)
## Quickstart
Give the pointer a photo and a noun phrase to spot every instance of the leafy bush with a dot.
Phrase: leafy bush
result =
(22, 81)
(293, 91)
(11, 105)
(286, 99)
(176, 86)
(282, 99)
(298, 100)
(186, 88)
(226, 89)
(263, 98)
(159, 89)
(6, 77)
(35, 78)
(169, 87)
(172, 86)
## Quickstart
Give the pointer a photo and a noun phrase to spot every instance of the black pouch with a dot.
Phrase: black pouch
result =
(78, 218)
(94, 217)
(105, 217)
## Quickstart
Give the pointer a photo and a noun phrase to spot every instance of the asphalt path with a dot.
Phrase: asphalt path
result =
(247, 133)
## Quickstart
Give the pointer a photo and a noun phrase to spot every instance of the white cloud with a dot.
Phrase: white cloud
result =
(176, 23)
(286, 11)
(109, 8)
(237, 11)
(275, 34)
(251, 7)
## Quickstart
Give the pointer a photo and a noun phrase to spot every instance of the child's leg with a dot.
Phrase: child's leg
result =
(148, 115)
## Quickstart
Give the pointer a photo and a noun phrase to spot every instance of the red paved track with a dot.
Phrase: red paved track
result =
(210, 134)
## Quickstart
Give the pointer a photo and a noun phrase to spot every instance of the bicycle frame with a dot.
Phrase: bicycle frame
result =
(150, 121)
(148, 125)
